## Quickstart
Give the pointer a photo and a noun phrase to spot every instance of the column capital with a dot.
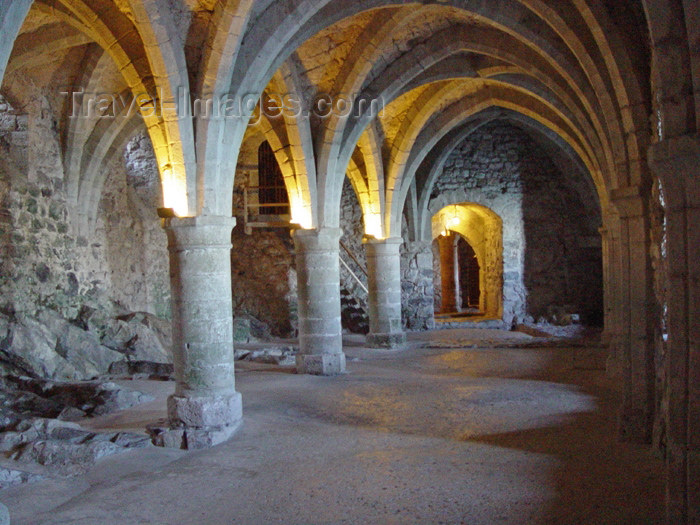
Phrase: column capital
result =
(389, 246)
(370, 239)
(206, 231)
(321, 239)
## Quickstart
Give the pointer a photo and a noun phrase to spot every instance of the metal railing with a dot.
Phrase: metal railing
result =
(261, 220)
(350, 271)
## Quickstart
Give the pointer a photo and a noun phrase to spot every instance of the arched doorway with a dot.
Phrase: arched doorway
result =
(470, 241)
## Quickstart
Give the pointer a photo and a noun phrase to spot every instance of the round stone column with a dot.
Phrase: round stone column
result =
(384, 276)
(205, 408)
(318, 274)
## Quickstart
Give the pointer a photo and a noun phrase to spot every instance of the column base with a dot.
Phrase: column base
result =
(321, 364)
(205, 411)
(191, 438)
(394, 340)
(198, 422)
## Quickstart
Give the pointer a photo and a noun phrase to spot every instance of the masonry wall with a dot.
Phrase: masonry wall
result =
(552, 251)
(264, 272)
(264, 279)
(46, 260)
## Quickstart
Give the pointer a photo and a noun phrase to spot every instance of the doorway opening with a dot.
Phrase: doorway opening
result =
(469, 239)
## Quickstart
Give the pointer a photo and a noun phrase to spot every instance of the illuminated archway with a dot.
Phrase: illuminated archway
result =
(483, 230)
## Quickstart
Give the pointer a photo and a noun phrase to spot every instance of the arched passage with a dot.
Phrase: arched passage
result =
(482, 229)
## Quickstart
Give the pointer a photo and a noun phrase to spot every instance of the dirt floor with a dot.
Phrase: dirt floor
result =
(462, 426)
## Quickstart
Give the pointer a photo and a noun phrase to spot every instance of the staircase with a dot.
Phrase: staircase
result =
(353, 292)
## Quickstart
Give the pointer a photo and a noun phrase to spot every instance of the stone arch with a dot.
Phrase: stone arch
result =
(483, 229)
(432, 164)
(431, 134)
(327, 13)
(151, 64)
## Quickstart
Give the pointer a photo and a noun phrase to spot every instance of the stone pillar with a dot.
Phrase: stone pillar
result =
(449, 275)
(384, 277)
(612, 336)
(205, 408)
(320, 330)
(636, 307)
(676, 162)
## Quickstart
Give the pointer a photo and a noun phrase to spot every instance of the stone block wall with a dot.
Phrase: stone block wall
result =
(46, 259)
(417, 291)
(552, 251)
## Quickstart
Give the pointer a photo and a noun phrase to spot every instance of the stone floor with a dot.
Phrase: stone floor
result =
(431, 434)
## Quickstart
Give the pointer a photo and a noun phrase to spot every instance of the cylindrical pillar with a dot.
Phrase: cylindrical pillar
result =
(384, 277)
(318, 274)
(205, 406)
(449, 275)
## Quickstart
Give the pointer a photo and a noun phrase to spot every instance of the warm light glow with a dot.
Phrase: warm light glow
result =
(175, 191)
(454, 221)
(373, 225)
(301, 215)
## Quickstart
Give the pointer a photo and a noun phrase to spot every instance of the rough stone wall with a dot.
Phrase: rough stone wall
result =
(264, 279)
(135, 244)
(417, 285)
(44, 262)
(552, 256)
(355, 316)
(437, 276)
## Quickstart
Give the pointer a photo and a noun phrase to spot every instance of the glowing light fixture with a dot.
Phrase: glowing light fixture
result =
(301, 215)
(373, 225)
(175, 191)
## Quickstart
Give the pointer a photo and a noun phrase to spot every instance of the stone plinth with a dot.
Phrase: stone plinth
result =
(384, 277)
(318, 274)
